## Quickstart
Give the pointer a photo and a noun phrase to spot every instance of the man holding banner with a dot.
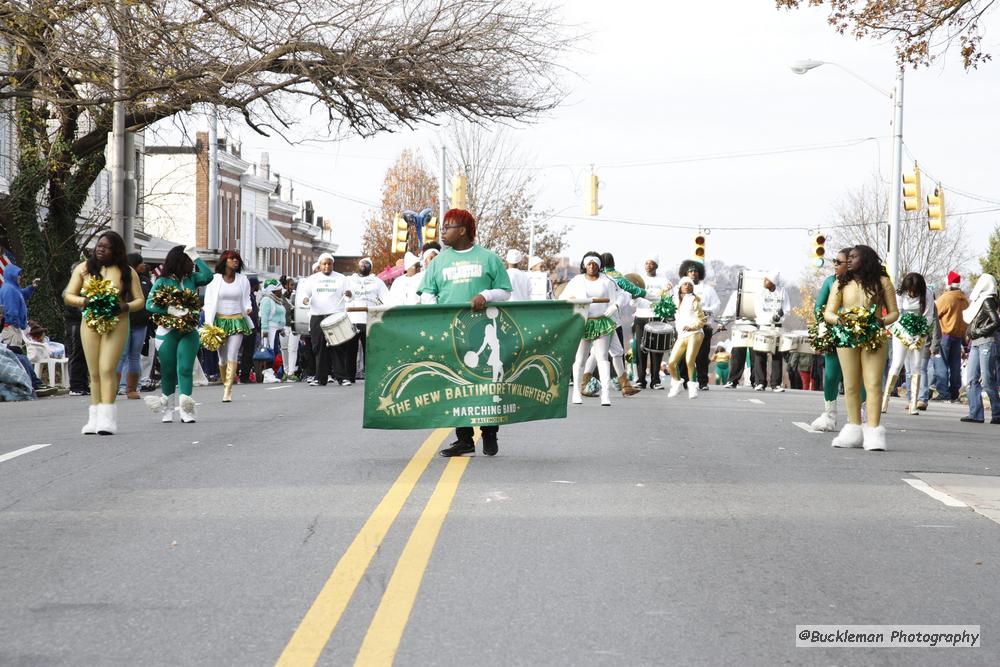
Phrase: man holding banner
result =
(466, 273)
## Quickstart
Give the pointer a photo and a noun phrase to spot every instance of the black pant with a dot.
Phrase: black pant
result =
(737, 364)
(330, 359)
(654, 358)
(464, 433)
(351, 353)
(701, 361)
(758, 369)
(248, 347)
(78, 380)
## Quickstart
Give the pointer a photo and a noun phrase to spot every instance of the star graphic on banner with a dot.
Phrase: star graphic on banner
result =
(384, 402)
(423, 333)
(444, 335)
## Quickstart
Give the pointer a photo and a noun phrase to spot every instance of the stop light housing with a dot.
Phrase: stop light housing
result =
(594, 187)
(911, 189)
(819, 249)
(935, 210)
(400, 234)
(699, 248)
(431, 229)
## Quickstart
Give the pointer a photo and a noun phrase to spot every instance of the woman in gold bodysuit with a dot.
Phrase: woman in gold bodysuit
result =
(863, 285)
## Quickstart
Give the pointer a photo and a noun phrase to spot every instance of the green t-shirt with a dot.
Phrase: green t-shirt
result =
(456, 277)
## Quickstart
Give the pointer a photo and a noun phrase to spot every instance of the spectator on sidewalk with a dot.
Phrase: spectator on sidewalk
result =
(949, 308)
(138, 323)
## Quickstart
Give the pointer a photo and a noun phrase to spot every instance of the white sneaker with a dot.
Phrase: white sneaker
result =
(851, 436)
(346, 383)
(577, 398)
(692, 390)
(759, 387)
(675, 388)
(874, 438)
(90, 428)
(778, 390)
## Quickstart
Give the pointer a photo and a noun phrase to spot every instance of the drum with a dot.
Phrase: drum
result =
(657, 337)
(766, 340)
(805, 347)
(742, 336)
(788, 342)
(338, 329)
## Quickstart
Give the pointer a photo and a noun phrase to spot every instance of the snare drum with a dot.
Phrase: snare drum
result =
(805, 347)
(788, 342)
(338, 329)
(765, 341)
(742, 336)
(656, 337)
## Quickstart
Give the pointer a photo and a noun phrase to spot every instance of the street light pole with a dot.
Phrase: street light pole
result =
(895, 239)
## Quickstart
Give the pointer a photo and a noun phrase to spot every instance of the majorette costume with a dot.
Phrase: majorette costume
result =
(689, 321)
(909, 334)
(226, 307)
(174, 306)
(599, 329)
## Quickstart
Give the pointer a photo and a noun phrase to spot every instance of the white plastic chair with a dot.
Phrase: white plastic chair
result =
(63, 375)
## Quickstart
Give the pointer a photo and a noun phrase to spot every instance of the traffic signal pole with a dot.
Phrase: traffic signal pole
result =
(896, 188)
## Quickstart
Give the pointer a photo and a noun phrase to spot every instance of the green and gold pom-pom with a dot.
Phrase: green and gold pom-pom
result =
(166, 296)
(101, 313)
(859, 328)
(666, 307)
(211, 337)
(821, 336)
(915, 325)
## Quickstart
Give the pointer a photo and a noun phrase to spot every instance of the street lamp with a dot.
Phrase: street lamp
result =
(803, 66)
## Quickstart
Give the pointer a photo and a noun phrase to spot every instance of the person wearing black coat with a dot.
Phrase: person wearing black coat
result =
(984, 322)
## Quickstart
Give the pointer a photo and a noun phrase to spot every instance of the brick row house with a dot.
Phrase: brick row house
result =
(273, 233)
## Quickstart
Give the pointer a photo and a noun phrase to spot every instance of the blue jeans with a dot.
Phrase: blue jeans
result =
(951, 354)
(981, 377)
(926, 372)
(132, 352)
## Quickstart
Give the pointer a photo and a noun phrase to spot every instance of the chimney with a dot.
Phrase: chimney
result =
(309, 211)
(265, 166)
(277, 188)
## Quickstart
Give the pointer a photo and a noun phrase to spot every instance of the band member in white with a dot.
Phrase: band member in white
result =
(326, 293)
(538, 277)
(770, 308)
(656, 285)
(367, 290)
(518, 278)
(600, 328)
(403, 291)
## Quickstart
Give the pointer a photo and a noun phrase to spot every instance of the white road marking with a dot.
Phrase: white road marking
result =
(755, 400)
(806, 427)
(562, 481)
(23, 450)
(921, 485)
(288, 386)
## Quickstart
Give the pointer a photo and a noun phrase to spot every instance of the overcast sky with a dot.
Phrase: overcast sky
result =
(667, 81)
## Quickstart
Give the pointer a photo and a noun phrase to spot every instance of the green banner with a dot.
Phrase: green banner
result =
(442, 365)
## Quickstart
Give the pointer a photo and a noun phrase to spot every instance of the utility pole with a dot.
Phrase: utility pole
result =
(441, 185)
(117, 148)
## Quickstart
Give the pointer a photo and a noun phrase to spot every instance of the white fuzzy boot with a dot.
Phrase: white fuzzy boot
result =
(187, 409)
(850, 436)
(164, 404)
(107, 419)
(675, 387)
(90, 428)
(874, 438)
(692, 389)
(828, 420)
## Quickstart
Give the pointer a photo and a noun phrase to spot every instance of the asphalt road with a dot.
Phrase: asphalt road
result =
(654, 532)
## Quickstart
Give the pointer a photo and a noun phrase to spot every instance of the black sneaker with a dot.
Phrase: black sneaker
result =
(458, 448)
(703, 387)
(971, 420)
(490, 447)
(995, 420)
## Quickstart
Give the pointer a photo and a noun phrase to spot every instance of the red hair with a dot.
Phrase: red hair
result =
(462, 217)
(220, 267)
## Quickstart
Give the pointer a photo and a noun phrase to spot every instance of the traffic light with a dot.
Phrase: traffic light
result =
(911, 189)
(459, 190)
(935, 210)
(819, 249)
(431, 229)
(594, 187)
(400, 234)
(699, 248)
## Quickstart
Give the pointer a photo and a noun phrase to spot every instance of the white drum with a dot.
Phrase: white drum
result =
(766, 341)
(338, 329)
(805, 347)
(657, 337)
(788, 342)
(742, 336)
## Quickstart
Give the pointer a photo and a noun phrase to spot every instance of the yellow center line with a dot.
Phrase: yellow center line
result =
(386, 630)
(313, 633)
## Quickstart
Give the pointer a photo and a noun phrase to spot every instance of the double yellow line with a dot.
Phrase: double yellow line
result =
(386, 629)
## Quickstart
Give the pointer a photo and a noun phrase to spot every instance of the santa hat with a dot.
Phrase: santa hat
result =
(954, 278)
